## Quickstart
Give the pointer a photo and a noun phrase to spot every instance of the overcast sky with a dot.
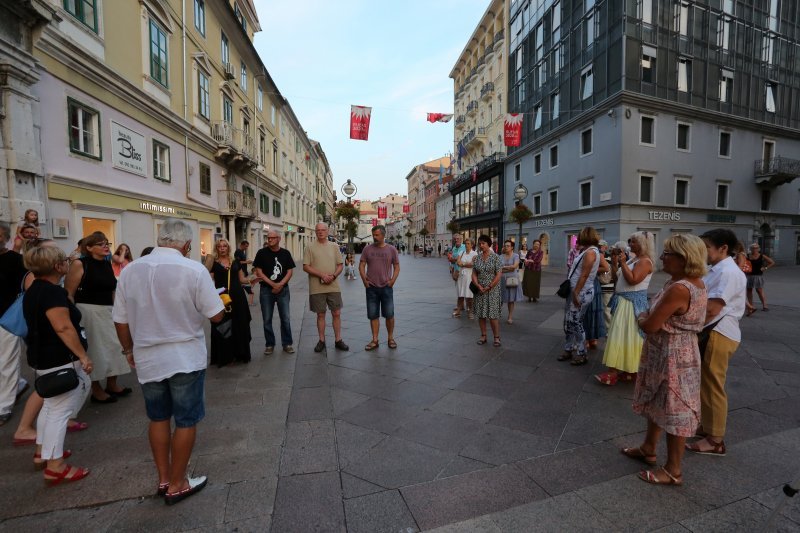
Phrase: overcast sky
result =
(325, 55)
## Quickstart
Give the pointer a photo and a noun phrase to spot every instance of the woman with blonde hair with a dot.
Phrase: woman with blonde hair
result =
(632, 278)
(227, 273)
(668, 388)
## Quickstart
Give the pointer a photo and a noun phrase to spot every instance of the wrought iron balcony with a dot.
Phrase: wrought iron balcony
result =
(489, 50)
(487, 90)
(498, 37)
(472, 107)
(477, 138)
(776, 171)
(473, 72)
(235, 203)
(235, 147)
(460, 121)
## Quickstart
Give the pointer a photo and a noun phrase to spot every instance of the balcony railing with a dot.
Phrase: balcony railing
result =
(235, 203)
(487, 90)
(498, 37)
(485, 163)
(236, 145)
(488, 51)
(472, 107)
(776, 171)
(473, 72)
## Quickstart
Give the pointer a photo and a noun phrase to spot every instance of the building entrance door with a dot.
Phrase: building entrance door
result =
(766, 240)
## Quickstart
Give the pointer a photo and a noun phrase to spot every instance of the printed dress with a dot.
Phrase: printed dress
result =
(668, 387)
(511, 294)
(487, 305)
(575, 335)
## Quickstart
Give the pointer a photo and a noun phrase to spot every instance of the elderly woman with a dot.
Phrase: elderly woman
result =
(581, 281)
(54, 344)
(464, 262)
(632, 278)
(725, 282)
(511, 292)
(91, 285)
(532, 278)
(668, 389)
(227, 274)
(487, 269)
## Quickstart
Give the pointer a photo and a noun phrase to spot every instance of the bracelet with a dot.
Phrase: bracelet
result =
(127, 352)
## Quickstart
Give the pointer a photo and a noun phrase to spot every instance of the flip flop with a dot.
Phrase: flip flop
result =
(391, 344)
(371, 346)
(77, 426)
(637, 454)
(649, 476)
(24, 442)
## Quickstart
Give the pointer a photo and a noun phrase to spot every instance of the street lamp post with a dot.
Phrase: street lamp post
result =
(349, 190)
(520, 193)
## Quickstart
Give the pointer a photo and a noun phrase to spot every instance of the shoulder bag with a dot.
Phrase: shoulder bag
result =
(565, 288)
(225, 328)
(53, 383)
(13, 320)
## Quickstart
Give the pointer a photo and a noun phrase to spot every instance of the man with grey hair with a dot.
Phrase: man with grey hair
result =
(323, 263)
(161, 304)
(12, 272)
(274, 267)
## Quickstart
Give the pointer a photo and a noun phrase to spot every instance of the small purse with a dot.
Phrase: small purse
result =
(224, 328)
(474, 288)
(512, 281)
(13, 320)
(56, 383)
(565, 288)
(455, 274)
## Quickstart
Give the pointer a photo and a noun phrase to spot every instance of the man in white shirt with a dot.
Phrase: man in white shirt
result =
(161, 304)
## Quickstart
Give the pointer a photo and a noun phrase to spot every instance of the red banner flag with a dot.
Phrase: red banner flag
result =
(359, 122)
(374, 221)
(406, 208)
(439, 117)
(512, 129)
(382, 211)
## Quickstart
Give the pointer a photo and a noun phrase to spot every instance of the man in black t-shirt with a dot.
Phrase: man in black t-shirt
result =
(11, 273)
(273, 267)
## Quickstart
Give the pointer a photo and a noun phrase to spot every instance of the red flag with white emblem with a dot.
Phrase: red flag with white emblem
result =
(359, 122)
(512, 129)
(439, 117)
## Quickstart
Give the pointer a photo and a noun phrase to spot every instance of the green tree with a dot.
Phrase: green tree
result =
(350, 214)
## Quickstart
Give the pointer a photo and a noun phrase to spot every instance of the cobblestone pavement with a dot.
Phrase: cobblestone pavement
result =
(439, 433)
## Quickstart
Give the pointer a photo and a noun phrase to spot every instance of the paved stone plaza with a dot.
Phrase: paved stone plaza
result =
(440, 433)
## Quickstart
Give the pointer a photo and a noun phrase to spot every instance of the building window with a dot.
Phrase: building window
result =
(681, 24)
(645, 11)
(84, 130)
(537, 204)
(83, 10)
(158, 54)
(262, 149)
(200, 16)
(537, 113)
(537, 163)
(263, 203)
(587, 83)
(585, 195)
(203, 97)
(224, 49)
(647, 131)
(770, 103)
(725, 144)
(767, 48)
(589, 30)
(554, 156)
(555, 105)
(227, 110)
(722, 196)
(275, 157)
(684, 75)
(684, 137)
(724, 32)
(681, 192)
(648, 64)
(237, 12)
(553, 207)
(766, 196)
(726, 86)
(646, 189)
(586, 142)
(243, 80)
(161, 170)
(272, 114)
(259, 98)
(517, 172)
(276, 208)
(205, 179)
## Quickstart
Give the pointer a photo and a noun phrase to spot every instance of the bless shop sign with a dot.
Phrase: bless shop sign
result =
(128, 150)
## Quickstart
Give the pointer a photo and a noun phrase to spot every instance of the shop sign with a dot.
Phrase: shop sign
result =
(164, 209)
(673, 216)
(128, 150)
(720, 218)
(542, 222)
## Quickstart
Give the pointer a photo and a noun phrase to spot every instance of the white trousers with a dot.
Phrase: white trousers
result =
(51, 426)
(11, 348)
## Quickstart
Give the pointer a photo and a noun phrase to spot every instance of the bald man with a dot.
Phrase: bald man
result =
(273, 267)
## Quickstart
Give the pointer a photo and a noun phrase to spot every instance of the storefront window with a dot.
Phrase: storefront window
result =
(495, 193)
(90, 225)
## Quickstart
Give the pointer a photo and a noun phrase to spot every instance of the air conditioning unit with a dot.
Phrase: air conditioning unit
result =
(229, 74)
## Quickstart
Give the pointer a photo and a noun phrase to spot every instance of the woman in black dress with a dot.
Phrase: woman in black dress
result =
(227, 273)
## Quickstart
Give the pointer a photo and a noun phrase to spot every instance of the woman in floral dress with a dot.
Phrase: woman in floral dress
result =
(487, 269)
(668, 387)
(581, 280)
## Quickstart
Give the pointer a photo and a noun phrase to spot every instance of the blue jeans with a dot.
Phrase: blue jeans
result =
(380, 301)
(268, 301)
(181, 396)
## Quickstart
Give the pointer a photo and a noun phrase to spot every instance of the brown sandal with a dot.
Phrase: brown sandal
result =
(650, 477)
(392, 344)
(717, 448)
(639, 455)
(371, 346)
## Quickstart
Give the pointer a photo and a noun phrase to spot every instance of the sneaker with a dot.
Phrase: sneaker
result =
(196, 484)
(320, 346)
(268, 350)
(288, 348)
(340, 345)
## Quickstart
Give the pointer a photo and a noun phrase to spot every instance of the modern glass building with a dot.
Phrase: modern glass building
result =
(668, 116)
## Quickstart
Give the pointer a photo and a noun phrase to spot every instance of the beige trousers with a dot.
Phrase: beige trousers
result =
(713, 398)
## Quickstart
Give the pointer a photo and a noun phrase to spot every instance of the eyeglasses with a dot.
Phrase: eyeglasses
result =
(102, 244)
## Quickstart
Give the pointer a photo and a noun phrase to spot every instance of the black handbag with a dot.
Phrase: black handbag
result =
(474, 288)
(224, 329)
(565, 288)
(56, 383)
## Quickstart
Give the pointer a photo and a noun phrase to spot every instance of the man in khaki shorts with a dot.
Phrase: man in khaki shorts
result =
(323, 263)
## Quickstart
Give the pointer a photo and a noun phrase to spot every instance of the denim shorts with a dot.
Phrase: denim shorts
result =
(181, 396)
(380, 302)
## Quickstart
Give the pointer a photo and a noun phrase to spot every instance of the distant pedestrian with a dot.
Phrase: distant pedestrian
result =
(744, 264)
(606, 285)
(241, 256)
(274, 267)
(350, 267)
(452, 257)
(487, 271)
(532, 277)
(593, 321)
(323, 263)
(379, 268)
(511, 291)
(164, 339)
(122, 256)
(581, 279)
(439, 247)
(465, 262)
(755, 278)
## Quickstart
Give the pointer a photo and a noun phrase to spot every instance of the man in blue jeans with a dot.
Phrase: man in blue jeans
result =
(273, 267)
(379, 268)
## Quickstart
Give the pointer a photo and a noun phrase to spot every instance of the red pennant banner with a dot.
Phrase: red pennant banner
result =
(382, 211)
(374, 221)
(439, 117)
(406, 208)
(512, 129)
(359, 122)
